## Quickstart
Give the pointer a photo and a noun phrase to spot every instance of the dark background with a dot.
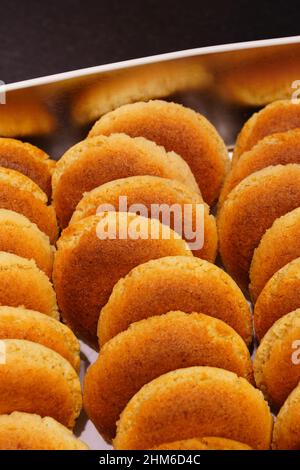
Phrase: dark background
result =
(43, 37)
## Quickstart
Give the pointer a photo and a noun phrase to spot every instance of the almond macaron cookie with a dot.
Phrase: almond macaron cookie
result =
(279, 246)
(203, 443)
(195, 401)
(152, 347)
(96, 161)
(157, 194)
(94, 253)
(249, 210)
(286, 434)
(26, 431)
(22, 283)
(20, 323)
(155, 80)
(29, 160)
(277, 149)
(25, 116)
(256, 80)
(174, 283)
(20, 236)
(36, 379)
(279, 116)
(178, 129)
(20, 194)
(277, 361)
(280, 295)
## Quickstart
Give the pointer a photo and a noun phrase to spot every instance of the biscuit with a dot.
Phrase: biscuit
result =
(286, 433)
(20, 236)
(179, 129)
(29, 160)
(203, 443)
(260, 81)
(275, 149)
(94, 253)
(276, 364)
(25, 431)
(20, 194)
(279, 116)
(25, 115)
(151, 191)
(150, 81)
(22, 284)
(152, 347)
(174, 283)
(98, 160)
(279, 296)
(279, 245)
(36, 379)
(196, 401)
(19, 323)
(249, 210)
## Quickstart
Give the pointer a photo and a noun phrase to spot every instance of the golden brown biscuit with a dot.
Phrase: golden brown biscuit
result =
(179, 129)
(174, 283)
(279, 245)
(260, 81)
(197, 401)
(29, 160)
(25, 114)
(94, 253)
(279, 116)
(152, 347)
(20, 323)
(36, 379)
(25, 431)
(150, 81)
(249, 210)
(203, 443)
(96, 161)
(20, 194)
(275, 149)
(20, 236)
(279, 296)
(153, 190)
(22, 284)
(286, 433)
(277, 363)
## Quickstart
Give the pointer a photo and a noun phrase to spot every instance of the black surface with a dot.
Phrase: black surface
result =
(43, 37)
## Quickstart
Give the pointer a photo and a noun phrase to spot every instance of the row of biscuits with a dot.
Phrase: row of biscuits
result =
(39, 386)
(146, 290)
(149, 165)
(133, 357)
(141, 338)
(142, 280)
(258, 220)
(270, 139)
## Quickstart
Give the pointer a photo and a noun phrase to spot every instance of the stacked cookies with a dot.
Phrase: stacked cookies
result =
(40, 393)
(91, 179)
(259, 244)
(172, 328)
